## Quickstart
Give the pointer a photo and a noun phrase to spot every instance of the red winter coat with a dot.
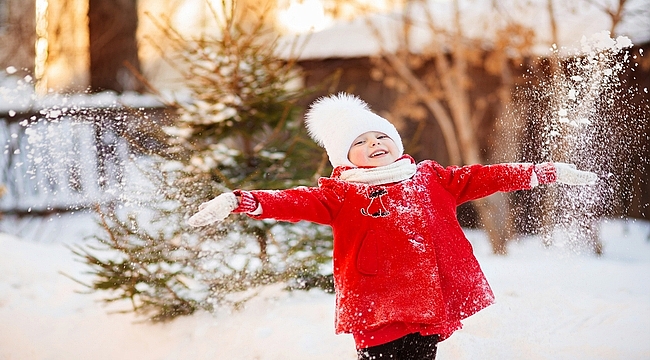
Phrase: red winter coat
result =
(400, 254)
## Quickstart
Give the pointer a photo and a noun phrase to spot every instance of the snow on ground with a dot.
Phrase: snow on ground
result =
(551, 304)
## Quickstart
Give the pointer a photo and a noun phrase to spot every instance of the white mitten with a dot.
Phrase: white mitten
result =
(216, 209)
(568, 174)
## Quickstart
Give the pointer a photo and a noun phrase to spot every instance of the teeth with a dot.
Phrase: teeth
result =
(378, 153)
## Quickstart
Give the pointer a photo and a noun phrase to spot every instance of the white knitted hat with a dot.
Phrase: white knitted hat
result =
(335, 121)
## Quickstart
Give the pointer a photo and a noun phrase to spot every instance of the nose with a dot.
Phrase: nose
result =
(374, 142)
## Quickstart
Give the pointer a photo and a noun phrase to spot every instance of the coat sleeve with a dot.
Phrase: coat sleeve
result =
(473, 182)
(315, 204)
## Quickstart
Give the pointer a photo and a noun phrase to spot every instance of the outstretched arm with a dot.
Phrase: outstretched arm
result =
(303, 203)
(476, 181)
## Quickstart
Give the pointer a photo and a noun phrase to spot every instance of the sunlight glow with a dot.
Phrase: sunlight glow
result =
(304, 16)
(41, 45)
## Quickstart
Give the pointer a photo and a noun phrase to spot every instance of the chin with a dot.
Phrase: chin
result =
(381, 162)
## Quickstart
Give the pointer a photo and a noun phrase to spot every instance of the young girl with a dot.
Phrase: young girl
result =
(404, 273)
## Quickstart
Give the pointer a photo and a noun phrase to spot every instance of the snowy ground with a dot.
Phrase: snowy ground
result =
(551, 304)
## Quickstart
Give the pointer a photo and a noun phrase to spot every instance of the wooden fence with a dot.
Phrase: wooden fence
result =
(58, 163)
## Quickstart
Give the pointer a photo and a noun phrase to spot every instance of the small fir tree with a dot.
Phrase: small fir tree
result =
(241, 129)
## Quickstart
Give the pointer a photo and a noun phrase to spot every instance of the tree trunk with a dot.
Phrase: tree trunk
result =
(112, 27)
(507, 127)
(454, 78)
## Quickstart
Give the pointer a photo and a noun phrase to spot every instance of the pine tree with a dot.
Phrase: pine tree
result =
(240, 130)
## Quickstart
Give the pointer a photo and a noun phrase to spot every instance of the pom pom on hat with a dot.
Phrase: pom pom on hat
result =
(335, 121)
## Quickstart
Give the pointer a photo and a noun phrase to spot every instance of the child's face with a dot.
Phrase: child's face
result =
(373, 149)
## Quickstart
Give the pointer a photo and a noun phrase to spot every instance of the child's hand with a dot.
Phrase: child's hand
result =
(568, 174)
(216, 209)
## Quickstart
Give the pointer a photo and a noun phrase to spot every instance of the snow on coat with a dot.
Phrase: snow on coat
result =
(400, 254)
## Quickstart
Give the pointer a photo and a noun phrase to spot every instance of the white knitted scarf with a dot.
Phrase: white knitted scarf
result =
(399, 170)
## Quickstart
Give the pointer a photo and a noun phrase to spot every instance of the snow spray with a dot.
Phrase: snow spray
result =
(588, 122)
(62, 152)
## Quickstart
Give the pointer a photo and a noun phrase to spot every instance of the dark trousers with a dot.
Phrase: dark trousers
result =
(409, 347)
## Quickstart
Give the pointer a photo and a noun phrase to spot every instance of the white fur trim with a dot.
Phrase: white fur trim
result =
(257, 211)
(336, 120)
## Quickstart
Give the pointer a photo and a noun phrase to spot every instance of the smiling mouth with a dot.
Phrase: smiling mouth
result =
(378, 153)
